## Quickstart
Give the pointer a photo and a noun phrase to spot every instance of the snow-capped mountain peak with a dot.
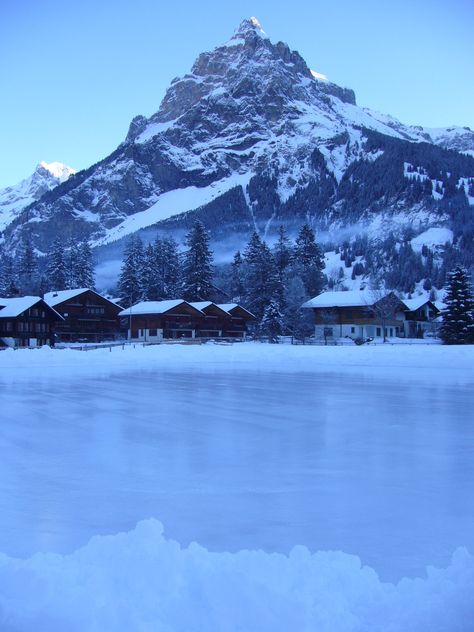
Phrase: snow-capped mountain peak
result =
(58, 170)
(249, 27)
(249, 137)
(45, 177)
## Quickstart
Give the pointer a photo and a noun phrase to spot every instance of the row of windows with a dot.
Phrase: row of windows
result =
(27, 327)
(39, 313)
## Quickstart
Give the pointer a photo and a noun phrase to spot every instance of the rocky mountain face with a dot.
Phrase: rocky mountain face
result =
(252, 138)
(14, 199)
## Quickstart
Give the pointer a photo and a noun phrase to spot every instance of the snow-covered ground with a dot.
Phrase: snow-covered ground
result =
(364, 451)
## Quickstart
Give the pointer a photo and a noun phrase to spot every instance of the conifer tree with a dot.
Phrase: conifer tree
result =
(237, 285)
(85, 270)
(272, 321)
(309, 261)
(197, 267)
(27, 268)
(55, 267)
(458, 317)
(170, 269)
(131, 273)
(261, 280)
(151, 286)
(9, 285)
(72, 265)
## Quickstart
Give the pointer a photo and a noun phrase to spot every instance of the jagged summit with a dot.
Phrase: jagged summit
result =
(45, 177)
(250, 26)
(248, 138)
(58, 170)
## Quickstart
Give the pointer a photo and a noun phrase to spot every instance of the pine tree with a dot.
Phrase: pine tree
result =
(72, 265)
(55, 267)
(151, 286)
(309, 261)
(85, 270)
(237, 285)
(272, 321)
(282, 253)
(9, 285)
(458, 317)
(296, 321)
(197, 269)
(261, 280)
(131, 273)
(27, 268)
(170, 268)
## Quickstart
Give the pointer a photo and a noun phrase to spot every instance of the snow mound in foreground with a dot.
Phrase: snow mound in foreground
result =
(140, 581)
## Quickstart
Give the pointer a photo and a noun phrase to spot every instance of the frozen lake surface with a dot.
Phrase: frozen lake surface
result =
(238, 458)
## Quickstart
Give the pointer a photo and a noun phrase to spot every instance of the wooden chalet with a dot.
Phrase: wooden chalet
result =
(421, 317)
(239, 320)
(215, 322)
(152, 321)
(357, 314)
(88, 316)
(27, 321)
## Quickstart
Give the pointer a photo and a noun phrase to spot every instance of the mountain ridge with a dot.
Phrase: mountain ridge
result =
(252, 123)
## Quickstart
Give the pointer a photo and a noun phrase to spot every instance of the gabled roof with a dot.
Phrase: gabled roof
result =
(231, 308)
(205, 305)
(56, 297)
(13, 307)
(352, 298)
(412, 304)
(60, 296)
(156, 307)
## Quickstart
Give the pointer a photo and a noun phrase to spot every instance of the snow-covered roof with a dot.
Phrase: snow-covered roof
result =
(202, 304)
(57, 297)
(352, 298)
(229, 307)
(153, 307)
(12, 307)
(415, 303)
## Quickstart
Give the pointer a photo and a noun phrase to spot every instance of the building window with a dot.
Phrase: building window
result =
(153, 333)
(379, 332)
(353, 330)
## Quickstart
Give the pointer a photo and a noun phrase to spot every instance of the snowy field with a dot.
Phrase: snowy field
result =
(319, 483)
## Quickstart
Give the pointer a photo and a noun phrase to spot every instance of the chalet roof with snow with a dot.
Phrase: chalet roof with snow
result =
(412, 304)
(156, 307)
(61, 296)
(13, 307)
(208, 307)
(352, 298)
(234, 308)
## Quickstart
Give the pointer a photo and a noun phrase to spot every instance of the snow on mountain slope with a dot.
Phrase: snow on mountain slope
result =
(15, 198)
(250, 112)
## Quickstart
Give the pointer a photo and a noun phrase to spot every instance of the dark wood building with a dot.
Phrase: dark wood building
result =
(88, 316)
(357, 314)
(152, 321)
(240, 318)
(421, 317)
(216, 320)
(27, 321)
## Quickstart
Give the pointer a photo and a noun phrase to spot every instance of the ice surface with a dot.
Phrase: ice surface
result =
(364, 450)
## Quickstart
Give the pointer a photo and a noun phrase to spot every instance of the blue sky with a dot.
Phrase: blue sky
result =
(73, 75)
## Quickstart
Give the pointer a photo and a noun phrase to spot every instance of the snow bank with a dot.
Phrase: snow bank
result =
(140, 581)
(433, 364)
